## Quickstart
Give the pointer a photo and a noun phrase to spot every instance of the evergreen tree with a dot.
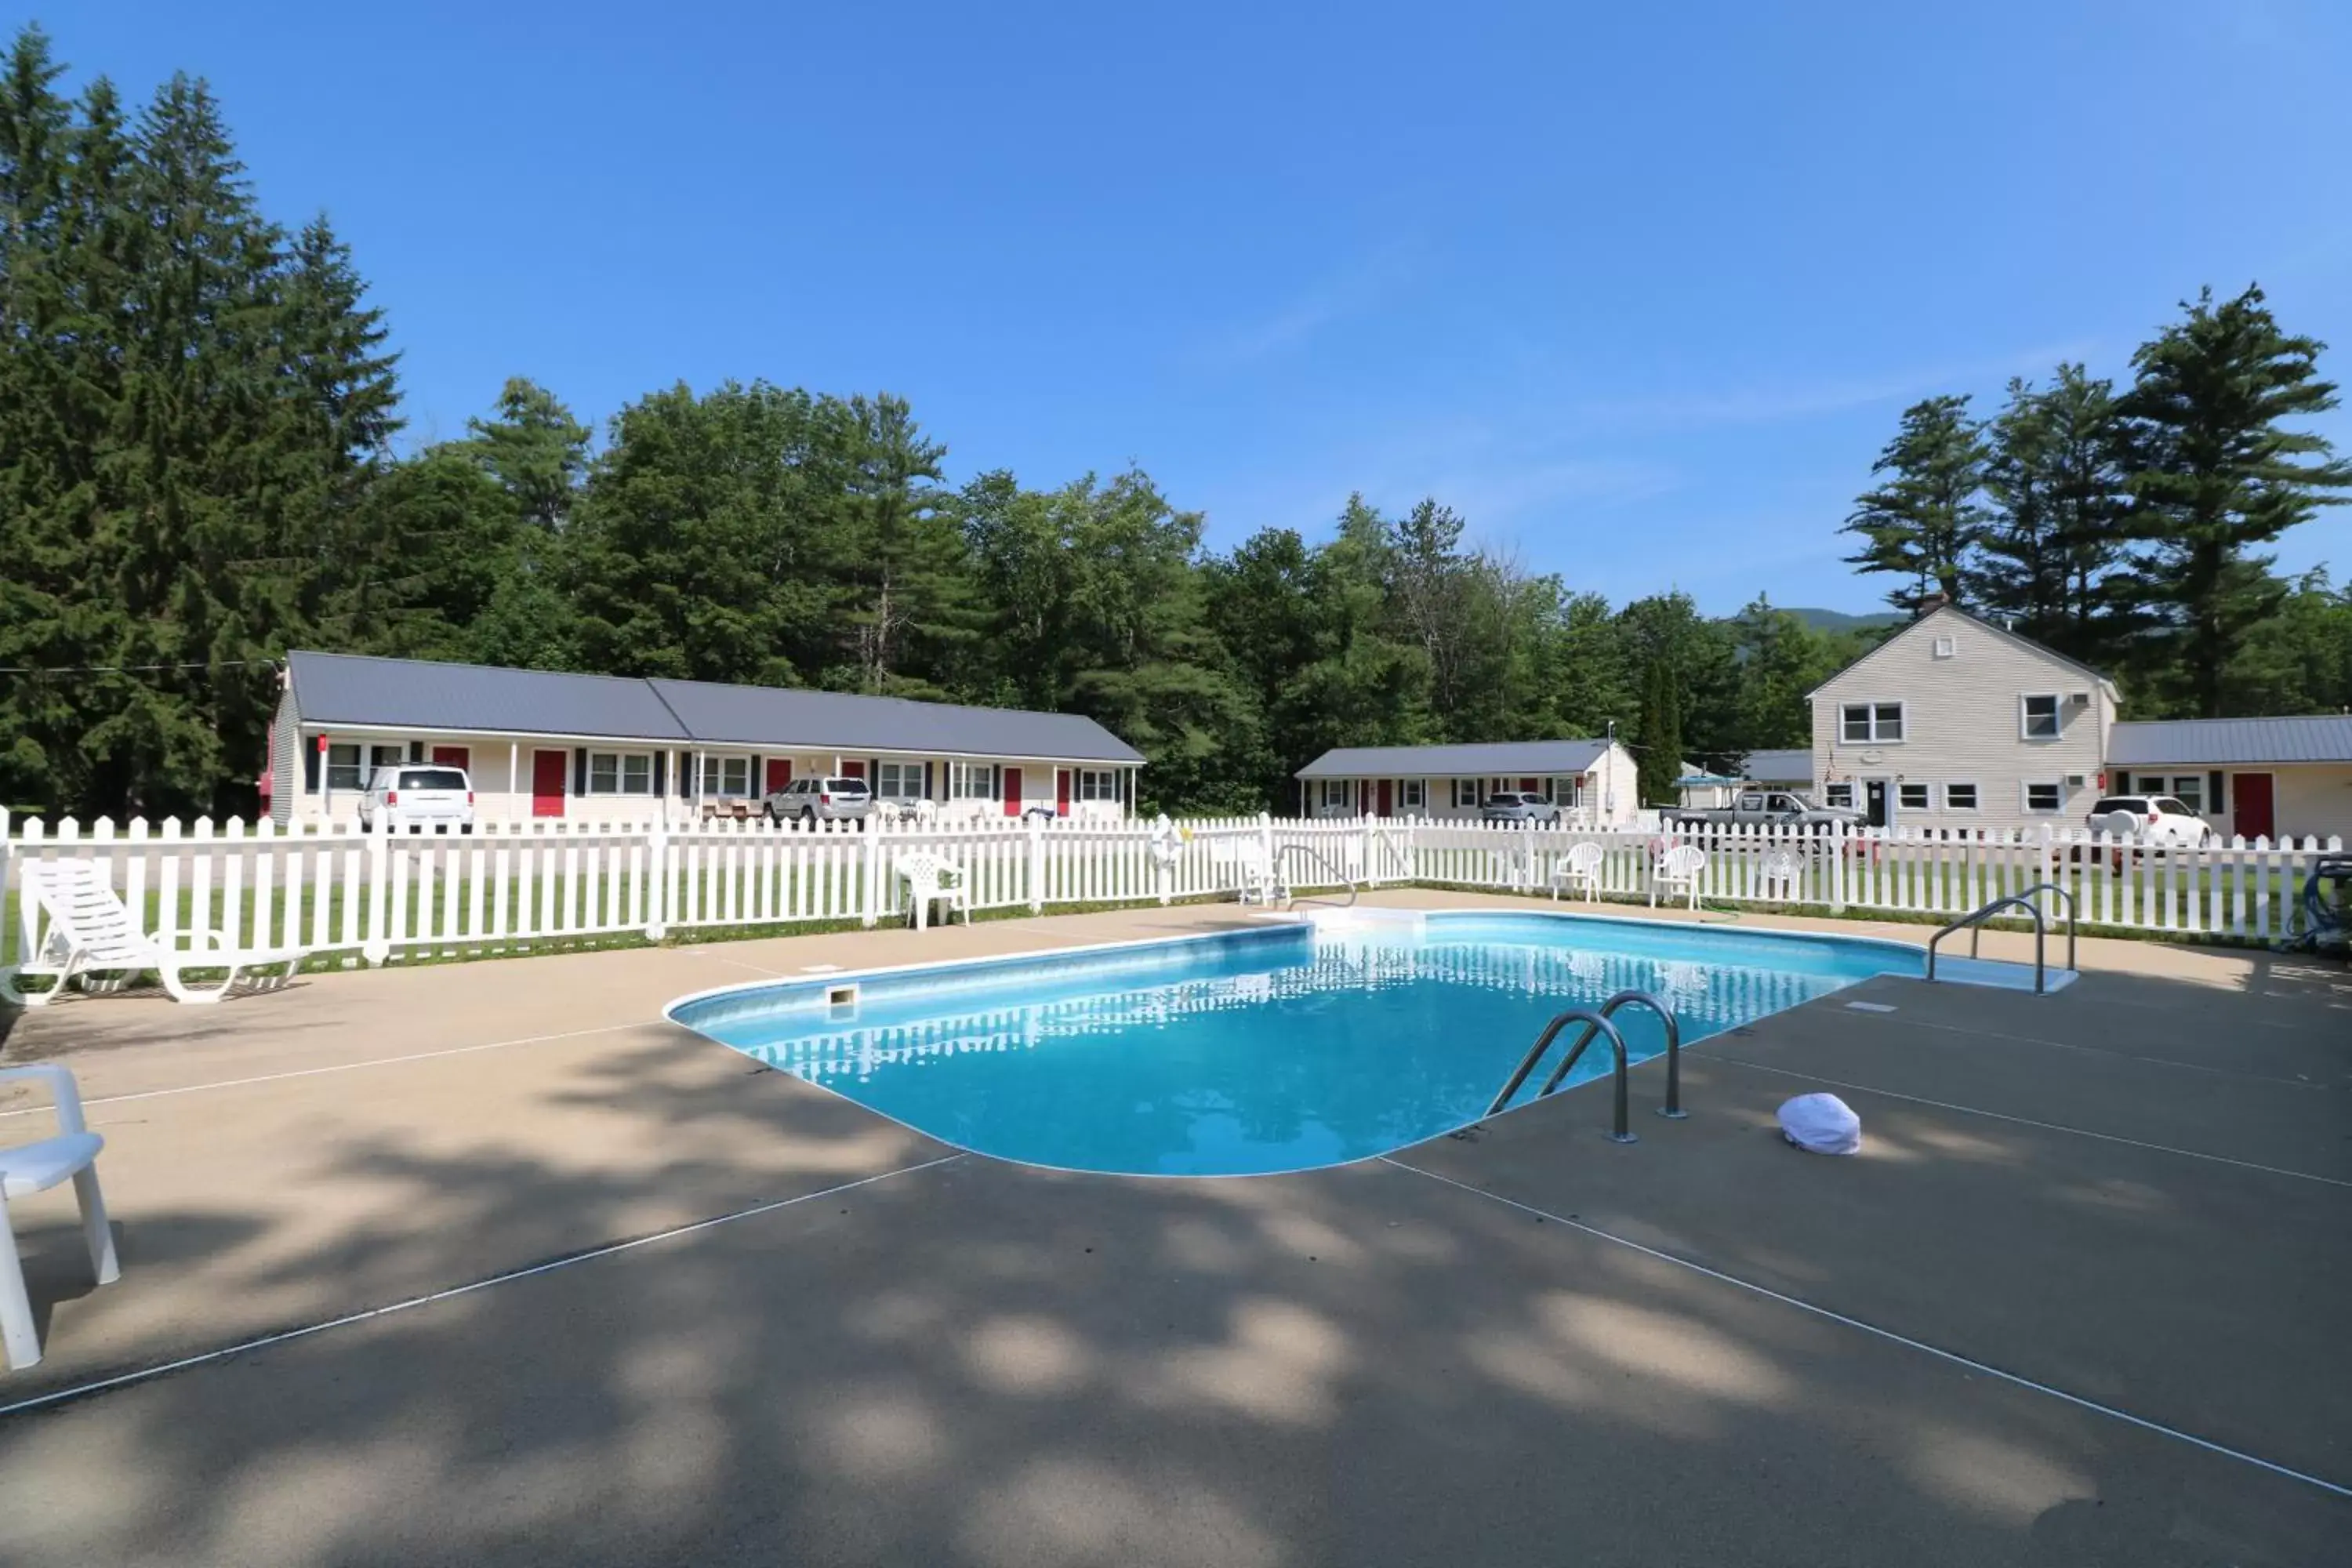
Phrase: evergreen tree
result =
(1923, 520)
(534, 448)
(2219, 473)
(2053, 560)
(1659, 755)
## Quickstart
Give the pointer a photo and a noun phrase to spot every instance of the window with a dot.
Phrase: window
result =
(429, 778)
(1865, 723)
(722, 775)
(2189, 790)
(1565, 791)
(2038, 716)
(1912, 796)
(2044, 798)
(972, 781)
(1839, 794)
(1334, 793)
(620, 772)
(898, 781)
(343, 767)
(1946, 647)
(1959, 797)
(1098, 783)
(385, 757)
(1412, 794)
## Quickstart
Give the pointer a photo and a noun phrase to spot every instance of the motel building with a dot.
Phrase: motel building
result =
(595, 749)
(1593, 782)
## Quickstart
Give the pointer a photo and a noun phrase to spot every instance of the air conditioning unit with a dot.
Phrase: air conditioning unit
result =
(2079, 698)
(2075, 781)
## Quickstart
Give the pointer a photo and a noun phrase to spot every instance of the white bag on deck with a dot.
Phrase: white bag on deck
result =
(1821, 1124)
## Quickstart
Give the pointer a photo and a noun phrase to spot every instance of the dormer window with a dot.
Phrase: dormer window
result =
(1946, 647)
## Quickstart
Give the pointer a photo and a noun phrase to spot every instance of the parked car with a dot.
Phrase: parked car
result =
(1770, 807)
(1510, 806)
(2158, 821)
(814, 800)
(414, 798)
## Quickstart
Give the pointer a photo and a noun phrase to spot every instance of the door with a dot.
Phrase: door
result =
(1061, 791)
(853, 770)
(547, 773)
(2250, 798)
(1013, 792)
(1384, 797)
(1527, 785)
(454, 757)
(1874, 802)
(780, 774)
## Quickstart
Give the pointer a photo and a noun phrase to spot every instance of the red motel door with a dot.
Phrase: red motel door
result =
(1384, 797)
(780, 774)
(1013, 792)
(547, 770)
(1529, 785)
(453, 757)
(2249, 800)
(853, 770)
(1061, 791)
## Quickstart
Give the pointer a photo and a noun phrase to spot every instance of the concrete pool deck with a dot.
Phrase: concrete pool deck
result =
(1486, 1349)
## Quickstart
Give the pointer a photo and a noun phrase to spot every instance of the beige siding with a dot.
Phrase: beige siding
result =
(285, 758)
(1963, 723)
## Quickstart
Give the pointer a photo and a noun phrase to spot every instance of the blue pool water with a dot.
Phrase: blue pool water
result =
(1274, 1049)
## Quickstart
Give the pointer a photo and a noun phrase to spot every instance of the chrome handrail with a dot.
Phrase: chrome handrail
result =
(1291, 894)
(1973, 923)
(1597, 1022)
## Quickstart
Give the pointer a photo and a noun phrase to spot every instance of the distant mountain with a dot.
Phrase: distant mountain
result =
(1839, 621)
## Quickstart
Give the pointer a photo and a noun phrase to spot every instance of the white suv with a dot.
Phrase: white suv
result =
(418, 796)
(2157, 820)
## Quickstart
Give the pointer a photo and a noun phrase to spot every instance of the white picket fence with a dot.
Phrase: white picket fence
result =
(511, 886)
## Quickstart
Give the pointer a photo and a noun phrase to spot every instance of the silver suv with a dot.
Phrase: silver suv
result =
(1510, 806)
(814, 800)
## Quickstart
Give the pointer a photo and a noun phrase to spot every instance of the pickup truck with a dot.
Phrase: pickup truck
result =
(1774, 807)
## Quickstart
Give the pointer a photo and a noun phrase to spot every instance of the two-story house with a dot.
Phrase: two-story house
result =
(1955, 722)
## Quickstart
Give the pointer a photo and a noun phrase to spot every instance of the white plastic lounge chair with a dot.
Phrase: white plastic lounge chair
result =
(92, 932)
(30, 1168)
(1580, 868)
(927, 878)
(1678, 870)
(1779, 873)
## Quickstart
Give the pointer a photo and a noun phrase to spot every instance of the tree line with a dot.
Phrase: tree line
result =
(2126, 526)
(199, 471)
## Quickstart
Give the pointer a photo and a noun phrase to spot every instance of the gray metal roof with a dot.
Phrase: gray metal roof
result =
(1778, 767)
(2323, 738)
(1497, 759)
(422, 694)
(835, 720)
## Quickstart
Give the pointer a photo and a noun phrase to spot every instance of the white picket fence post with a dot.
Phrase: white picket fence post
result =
(377, 944)
(655, 886)
(1034, 864)
(872, 914)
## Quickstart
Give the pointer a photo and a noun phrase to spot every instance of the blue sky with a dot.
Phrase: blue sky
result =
(1641, 295)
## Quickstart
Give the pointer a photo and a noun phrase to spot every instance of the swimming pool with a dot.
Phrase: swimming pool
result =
(1279, 1049)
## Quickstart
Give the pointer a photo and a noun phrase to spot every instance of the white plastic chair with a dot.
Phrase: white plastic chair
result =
(1262, 881)
(90, 931)
(1779, 875)
(30, 1168)
(1678, 870)
(930, 878)
(1581, 866)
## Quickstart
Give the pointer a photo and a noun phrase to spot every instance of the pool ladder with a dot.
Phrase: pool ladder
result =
(1973, 923)
(1597, 1022)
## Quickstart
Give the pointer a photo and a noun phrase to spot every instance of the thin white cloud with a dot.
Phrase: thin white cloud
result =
(1354, 290)
(1810, 399)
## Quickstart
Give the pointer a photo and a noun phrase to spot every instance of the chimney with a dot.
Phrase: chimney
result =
(1929, 603)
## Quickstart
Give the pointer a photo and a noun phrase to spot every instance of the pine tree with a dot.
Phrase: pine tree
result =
(2218, 474)
(1660, 759)
(1922, 522)
(534, 448)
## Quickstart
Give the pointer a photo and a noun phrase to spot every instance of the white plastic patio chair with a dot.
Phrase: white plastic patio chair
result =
(1580, 868)
(931, 878)
(1779, 873)
(1678, 870)
(30, 1168)
(90, 931)
(1262, 881)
